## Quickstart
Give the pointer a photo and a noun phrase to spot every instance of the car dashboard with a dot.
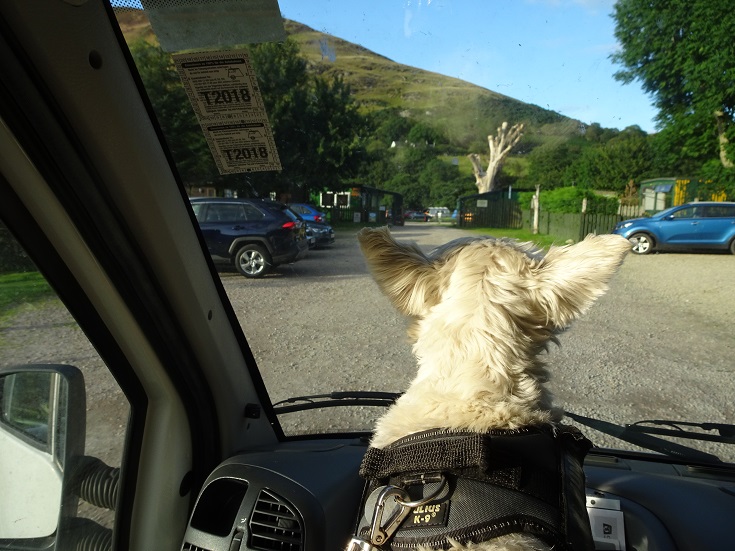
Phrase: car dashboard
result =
(305, 495)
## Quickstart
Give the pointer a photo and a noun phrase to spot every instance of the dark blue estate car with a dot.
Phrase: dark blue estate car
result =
(703, 225)
(253, 234)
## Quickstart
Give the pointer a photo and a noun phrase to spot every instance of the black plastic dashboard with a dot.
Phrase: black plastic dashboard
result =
(304, 496)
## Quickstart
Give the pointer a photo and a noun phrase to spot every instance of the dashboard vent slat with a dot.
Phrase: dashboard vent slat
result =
(275, 524)
(191, 547)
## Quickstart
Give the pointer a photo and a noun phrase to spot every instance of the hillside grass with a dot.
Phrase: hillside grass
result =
(465, 112)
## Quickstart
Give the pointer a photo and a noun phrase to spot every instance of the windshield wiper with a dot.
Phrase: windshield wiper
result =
(639, 434)
(336, 399)
(725, 433)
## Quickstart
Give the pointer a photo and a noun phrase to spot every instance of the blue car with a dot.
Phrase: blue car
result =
(308, 212)
(703, 225)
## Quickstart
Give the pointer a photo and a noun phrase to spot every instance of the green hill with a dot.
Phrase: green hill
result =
(465, 112)
(468, 113)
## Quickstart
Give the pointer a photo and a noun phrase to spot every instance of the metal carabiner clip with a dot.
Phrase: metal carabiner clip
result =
(379, 534)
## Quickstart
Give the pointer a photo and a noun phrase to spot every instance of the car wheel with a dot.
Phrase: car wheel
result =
(732, 246)
(641, 243)
(252, 261)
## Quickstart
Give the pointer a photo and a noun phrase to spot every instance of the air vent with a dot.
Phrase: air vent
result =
(190, 547)
(275, 524)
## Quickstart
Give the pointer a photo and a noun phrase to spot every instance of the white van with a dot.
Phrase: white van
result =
(439, 213)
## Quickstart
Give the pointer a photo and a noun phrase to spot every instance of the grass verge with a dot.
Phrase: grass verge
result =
(21, 287)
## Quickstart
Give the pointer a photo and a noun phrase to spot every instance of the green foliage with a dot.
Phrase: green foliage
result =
(387, 126)
(601, 159)
(628, 156)
(549, 166)
(175, 115)
(681, 52)
(315, 121)
(20, 288)
(570, 200)
(718, 180)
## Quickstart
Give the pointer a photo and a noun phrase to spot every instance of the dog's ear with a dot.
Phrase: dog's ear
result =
(401, 270)
(572, 277)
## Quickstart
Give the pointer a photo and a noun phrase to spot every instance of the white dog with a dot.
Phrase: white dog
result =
(473, 455)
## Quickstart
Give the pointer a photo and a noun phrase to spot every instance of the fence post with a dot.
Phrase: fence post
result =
(535, 207)
(583, 221)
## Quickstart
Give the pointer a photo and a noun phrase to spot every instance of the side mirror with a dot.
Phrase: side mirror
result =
(42, 431)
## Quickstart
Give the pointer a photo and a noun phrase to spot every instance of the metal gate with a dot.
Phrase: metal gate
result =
(495, 209)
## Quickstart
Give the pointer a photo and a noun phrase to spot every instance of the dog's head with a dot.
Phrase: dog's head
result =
(509, 292)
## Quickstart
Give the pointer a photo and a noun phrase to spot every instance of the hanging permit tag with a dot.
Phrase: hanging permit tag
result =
(225, 96)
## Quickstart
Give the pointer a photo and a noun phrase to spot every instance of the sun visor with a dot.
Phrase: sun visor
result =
(182, 25)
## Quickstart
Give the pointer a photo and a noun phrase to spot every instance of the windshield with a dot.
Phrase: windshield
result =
(442, 119)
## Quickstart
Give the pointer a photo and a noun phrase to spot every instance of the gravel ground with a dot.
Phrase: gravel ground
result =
(658, 345)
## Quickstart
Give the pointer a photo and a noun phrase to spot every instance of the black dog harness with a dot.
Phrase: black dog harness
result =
(435, 485)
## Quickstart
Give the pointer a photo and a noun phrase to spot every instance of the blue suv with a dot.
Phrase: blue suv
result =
(705, 225)
(254, 235)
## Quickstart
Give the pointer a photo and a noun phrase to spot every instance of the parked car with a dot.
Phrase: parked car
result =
(440, 212)
(254, 235)
(320, 235)
(702, 225)
(308, 212)
(417, 215)
(310, 237)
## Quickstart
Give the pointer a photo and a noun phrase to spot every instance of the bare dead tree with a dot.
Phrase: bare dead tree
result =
(500, 146)
(722, 137)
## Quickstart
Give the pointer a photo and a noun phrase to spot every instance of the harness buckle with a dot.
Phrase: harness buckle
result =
(357, 544)
(380, 534)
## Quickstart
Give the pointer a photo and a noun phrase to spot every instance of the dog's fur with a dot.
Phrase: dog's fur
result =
(482, 310)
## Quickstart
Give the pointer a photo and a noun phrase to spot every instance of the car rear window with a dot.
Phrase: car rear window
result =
(291, 215)
(224, 213)
(720, 211)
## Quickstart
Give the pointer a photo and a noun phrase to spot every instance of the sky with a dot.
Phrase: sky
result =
(551, 53)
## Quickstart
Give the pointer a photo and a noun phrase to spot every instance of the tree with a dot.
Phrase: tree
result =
(175, 115)
(316, 124)
(549, 166)
(610, 166)
(681, 51)
(499, 148)
(333, 129)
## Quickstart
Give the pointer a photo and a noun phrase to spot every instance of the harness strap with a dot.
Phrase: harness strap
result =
(504, 481)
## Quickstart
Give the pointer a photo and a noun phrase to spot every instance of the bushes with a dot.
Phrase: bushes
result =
(569, 200)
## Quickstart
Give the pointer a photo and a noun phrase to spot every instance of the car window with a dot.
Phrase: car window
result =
(198, 209)
(36, 328)
(218, 212)
(252, 213)
(288, 212)
(719, 211)
(689, 212)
